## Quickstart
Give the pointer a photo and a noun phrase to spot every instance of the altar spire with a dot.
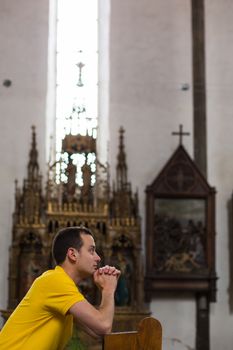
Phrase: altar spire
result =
(121, 165)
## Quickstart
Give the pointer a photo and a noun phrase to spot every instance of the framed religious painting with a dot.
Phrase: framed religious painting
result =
(180, 230)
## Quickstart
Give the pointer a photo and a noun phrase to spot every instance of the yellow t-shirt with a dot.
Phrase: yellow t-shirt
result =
(41, 321)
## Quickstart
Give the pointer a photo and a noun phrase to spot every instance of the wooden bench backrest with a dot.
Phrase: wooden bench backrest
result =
(147, 337)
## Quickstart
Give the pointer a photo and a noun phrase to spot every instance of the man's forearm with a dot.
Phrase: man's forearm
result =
(99, 320)
(107, 307)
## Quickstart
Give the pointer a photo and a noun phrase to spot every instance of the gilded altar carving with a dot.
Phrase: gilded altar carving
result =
(111, 213)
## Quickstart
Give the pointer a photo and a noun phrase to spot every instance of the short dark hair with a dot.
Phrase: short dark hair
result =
(66, 238)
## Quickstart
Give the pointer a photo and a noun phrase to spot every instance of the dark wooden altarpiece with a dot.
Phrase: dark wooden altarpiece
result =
(110, 212)
(180, 231)
(180, 236)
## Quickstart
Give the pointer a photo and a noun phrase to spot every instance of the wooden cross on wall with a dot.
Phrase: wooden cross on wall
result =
(180, 133)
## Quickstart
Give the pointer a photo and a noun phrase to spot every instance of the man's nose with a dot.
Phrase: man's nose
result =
(98, 258)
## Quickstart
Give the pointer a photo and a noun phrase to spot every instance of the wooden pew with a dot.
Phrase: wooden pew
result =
(147, 337)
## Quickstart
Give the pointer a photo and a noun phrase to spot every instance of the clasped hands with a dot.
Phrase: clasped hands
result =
(109, 270)
(107, 276)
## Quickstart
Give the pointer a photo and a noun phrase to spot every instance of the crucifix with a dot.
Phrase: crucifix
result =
(180, 133)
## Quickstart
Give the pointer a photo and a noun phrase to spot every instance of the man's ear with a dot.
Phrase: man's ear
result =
(72, 254)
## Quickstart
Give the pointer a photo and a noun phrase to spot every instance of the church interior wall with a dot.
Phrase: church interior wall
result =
(150, 62)
(219, 73)
(150, 94)
(23, 57)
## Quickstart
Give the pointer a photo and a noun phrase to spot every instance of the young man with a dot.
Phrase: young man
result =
(44, 318)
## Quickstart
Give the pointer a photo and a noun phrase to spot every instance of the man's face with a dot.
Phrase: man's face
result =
(88, 259)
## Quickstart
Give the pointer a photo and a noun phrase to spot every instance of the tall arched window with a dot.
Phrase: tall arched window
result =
(76, 88)
(78, 77)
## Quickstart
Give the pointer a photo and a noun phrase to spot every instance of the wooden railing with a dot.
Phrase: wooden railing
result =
(147, 337)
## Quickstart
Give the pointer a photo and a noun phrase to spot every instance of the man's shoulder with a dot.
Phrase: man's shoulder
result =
(56, 275)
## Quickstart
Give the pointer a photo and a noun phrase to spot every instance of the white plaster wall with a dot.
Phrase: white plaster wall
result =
(23, 60)
(219, 50)
(150, 59)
